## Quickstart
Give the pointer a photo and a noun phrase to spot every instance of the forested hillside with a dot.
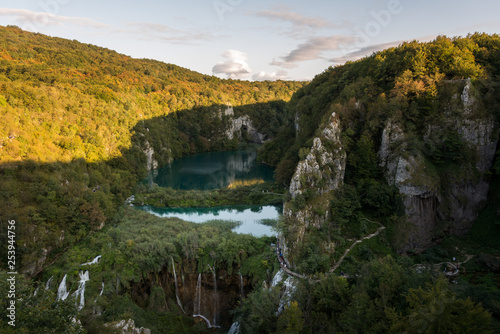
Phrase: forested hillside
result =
(79, 123)
(392, 154)
(391, 166)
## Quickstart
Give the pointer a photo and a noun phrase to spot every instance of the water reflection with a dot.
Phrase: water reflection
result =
(251, 216)
(213, 170)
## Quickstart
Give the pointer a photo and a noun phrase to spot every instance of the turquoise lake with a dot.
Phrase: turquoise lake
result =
(217, 170)
(214, 170)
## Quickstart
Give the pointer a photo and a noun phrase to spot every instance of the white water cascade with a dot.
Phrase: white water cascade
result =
(94, 261)
(290, 287)
(176, 289)
(84, 277)
(235, 328)
(100, 293)
(277, 278)
(197, 298)
(62, 293)
(47, 285)
(215, 299)
(241, 287)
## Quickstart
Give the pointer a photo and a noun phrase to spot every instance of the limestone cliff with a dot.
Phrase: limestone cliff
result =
(321, 172)
(433, 196)
(238, 126)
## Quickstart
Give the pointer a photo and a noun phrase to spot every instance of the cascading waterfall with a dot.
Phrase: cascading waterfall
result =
(197, 298)
(94, 261)
(62, 293)
(176, 289)
(215, 300)
(100, 293)
(47, 285)
(241, 286)
(98, 311)
(84, 277)
(277, 278)
(290, 287)
(235, 328)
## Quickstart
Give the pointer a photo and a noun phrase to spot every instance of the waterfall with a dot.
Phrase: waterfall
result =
(62, 293)
(235, 328)
(176, 289)
(100, 293)
(290, 286)
(94, 261)
(241, 286)
(215, 302)
(277, 278)
(36, 291)
(197, 298)
(215, 299)
(47, 285)
(84, 277)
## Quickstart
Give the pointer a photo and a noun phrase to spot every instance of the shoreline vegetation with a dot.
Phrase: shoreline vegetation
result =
(265, 193)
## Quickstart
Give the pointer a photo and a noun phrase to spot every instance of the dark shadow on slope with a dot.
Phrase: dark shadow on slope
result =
(54, 205)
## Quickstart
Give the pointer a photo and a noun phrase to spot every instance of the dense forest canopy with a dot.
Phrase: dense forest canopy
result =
(77, 118)
(77, 123)
(62, 99)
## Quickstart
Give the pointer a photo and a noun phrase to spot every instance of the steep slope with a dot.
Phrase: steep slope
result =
(80, 125)
(415, 128)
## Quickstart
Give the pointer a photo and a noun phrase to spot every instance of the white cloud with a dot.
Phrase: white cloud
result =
(363, 52)
(161, 32)
(294, 18)
(263, 76)
(30, 19)
(314, 48)
(236, 65)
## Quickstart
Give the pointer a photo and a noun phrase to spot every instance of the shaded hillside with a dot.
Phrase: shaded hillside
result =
(406, 138)
(80, 125)
(407, 135)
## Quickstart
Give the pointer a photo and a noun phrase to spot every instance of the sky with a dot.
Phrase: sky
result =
(252, 39)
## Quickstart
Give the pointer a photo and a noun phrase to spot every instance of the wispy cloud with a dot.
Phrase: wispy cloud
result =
(236, 66)
(365, 51)
(161, 32)
(31, 18)
(299, 26)
(314, 48)
(295, 19)
(370, 49)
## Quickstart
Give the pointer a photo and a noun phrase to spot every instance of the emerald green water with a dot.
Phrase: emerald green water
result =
(214, 170)
(217, 170)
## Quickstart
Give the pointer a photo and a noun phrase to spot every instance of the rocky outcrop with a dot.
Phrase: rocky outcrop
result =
(149, 152)
(128, 327)
(243, 124)
(321, 172)
(430, 197)
(324, 167)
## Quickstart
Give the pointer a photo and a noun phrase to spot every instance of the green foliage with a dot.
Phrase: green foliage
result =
(39, 313)
(257, 194)
(437, 310)
(75, 158)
